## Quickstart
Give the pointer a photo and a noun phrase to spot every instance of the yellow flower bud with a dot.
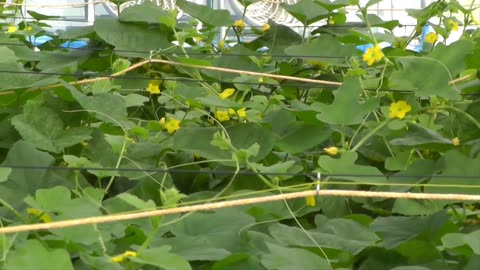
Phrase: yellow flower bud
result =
(332, 151)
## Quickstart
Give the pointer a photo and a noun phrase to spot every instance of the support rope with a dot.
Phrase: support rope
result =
(233, 203)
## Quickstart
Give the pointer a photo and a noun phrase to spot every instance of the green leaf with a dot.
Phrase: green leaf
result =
(101, 87)
(161, 257)
(277, 39)
(33, 255)
(131, 40)
(418, 71)
(417, 135)
(301, 137)
(107, 107)
(376, 21)
(371, 3)
(23, 182)
(207, 15)
(18, 76)
(242, 137)
(346, 97)
(4, 173)
(340, 234)
(58, 202)
(282, 258)
(453, 56)
(321, 48)
(196, 249)
(454, 163)
(454, 240)
(346, 165)
(397, 230)
(219, 229)
(147, 12)
(44, 128)
(414, 208)
(306, 11)
(39, 17)
(82, 162)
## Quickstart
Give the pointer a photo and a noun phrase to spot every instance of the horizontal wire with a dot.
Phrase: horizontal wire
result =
(226, 172)
(306, 86)
(83, 19)
(234, 203)
(259, 54)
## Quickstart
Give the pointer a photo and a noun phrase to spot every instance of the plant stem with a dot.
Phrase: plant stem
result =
(468, 116)
(370, 134)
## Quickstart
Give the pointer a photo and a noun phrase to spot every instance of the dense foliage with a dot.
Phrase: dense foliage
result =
(402, 120)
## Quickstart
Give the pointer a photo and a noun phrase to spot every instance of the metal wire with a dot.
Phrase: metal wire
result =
(306, 86)
(312, 175)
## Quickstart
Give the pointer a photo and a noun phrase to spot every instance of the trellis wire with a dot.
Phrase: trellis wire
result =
(233, 203)
(211, 68)
(242, 172)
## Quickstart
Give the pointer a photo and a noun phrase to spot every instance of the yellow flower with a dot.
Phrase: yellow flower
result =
(28, 28)
(120, 258)
(260, 80)
(172, 125)
(222, 116)
(11, 29)
(231, 111)
(265, 27)
(154, 87)
(332, 151)
(431, 38)
(240, 24)
(242, 113)
(456, 141)
(227, 93)
(162, 121)
(221, 44)
(373, 55)
(310, 201)
(198, 39)
(39, 214)
(453, 25)
(399, 109)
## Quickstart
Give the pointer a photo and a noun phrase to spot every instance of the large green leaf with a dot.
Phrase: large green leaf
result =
(306, 11)
(107, 107)
(243, 136)
(455, 240)
(346, 168)
(277, 39)
(162, 258)
(44, 128)
(57, 202)
(131, 40)
(456, 169)
(16, 76)
(22, 182)
(322, 48)
(453, 56)
(340, 234)
(219, 229)
(418, 71)
(35, 256)
(397, 230)
(283, 258)
(146, 12)
(416, 135)
(346, 97)
(205, 14)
